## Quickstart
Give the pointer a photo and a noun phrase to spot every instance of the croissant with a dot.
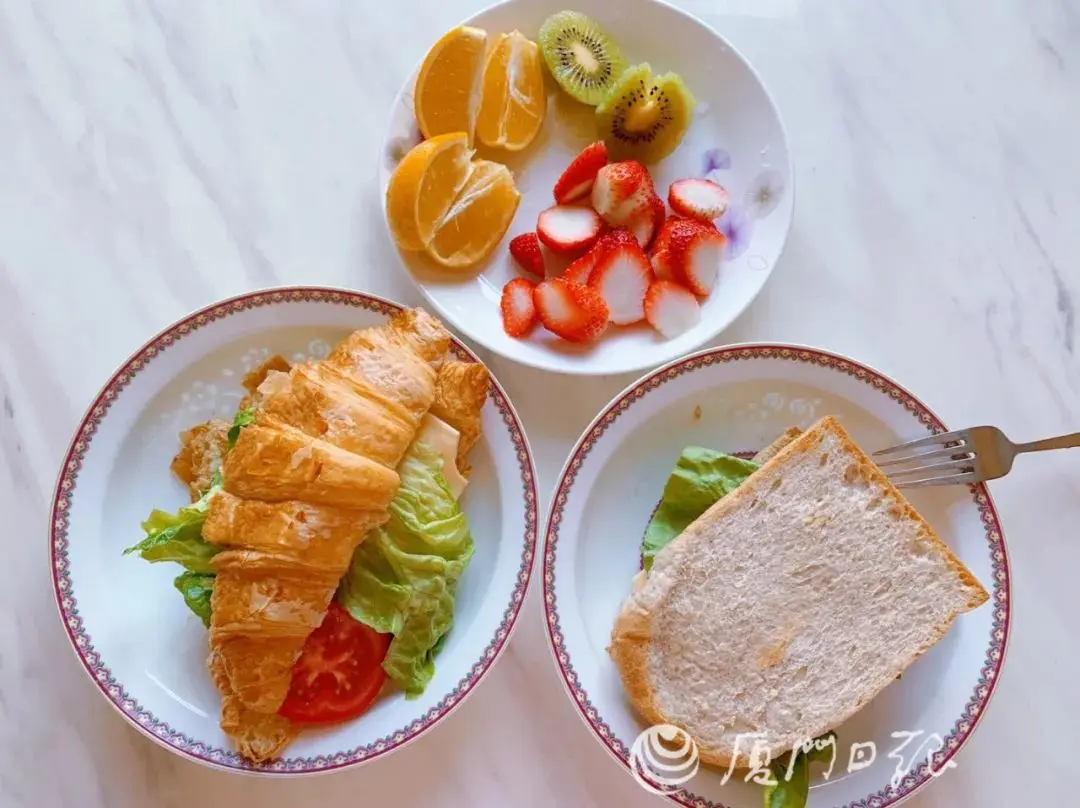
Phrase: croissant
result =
(302, 486)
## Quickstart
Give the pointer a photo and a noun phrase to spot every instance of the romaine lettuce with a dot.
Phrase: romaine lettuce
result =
(197, 589)
(792, 789)
(701, 477)
(178, 536)
(403, 578)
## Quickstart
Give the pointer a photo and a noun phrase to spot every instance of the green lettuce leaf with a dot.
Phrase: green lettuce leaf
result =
(197, 588)
(178, 536)
(403, 577)
(240, 420)
(792, 792)
(700, 478)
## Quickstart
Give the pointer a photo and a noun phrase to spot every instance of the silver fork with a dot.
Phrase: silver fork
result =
(965, 456)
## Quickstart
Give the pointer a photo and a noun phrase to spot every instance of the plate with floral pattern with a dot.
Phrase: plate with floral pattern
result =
(736, 138)
(131, 631)
(737, 400)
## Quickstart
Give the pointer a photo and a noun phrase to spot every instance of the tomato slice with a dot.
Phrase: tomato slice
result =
(339, 673)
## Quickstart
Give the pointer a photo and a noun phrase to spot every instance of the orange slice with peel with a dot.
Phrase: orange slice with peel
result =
(424, 185)
(514, 100)
(478, 218)
(447, 91)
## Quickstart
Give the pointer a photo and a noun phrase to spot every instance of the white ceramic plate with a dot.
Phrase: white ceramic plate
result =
(736, 138)
(142, 647)
(739, 399)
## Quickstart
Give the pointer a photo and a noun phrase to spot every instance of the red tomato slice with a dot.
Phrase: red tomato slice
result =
(339, 672)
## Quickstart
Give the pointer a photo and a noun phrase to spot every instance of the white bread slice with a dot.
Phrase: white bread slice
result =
(773, 449)
(789, 604)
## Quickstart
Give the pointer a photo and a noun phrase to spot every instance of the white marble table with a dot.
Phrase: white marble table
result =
(161, 154)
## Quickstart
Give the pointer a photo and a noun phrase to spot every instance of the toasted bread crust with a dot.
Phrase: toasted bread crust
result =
(632, 633)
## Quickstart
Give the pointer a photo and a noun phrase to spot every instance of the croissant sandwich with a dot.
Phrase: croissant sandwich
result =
(326, 516)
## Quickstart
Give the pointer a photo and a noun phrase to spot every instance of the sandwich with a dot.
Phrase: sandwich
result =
(326, 515)
(780, 595)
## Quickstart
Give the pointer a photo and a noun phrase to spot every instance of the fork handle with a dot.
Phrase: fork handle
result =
(1061, 442)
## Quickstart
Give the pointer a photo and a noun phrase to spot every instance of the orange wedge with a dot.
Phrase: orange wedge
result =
(424, 185)
(478, 218)
(514, 101)
(447, 89)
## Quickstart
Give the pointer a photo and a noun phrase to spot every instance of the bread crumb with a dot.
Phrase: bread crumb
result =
(697, 413)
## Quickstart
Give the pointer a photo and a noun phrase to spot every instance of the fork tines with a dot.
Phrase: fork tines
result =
(950, 462)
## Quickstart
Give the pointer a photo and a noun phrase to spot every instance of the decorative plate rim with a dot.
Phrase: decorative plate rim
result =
(67, 603)
(1001, 595)
(584, 368)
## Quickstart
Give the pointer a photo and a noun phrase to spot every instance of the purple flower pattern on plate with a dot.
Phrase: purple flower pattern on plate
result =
(715, 160)
(738, 228)
(759, 200)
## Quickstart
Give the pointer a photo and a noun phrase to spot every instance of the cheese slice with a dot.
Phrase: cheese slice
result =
(444, 439)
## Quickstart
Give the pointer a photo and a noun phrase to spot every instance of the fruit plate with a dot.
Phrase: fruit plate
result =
(132, 632)
(736, 138)
(739, 399)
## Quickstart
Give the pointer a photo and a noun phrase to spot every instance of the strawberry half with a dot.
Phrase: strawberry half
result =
(568, 229)
(671, 309)
(698, 199)
(621, 190)
(577, 181)
(622, 275)
(661, 253)
(646, 223)
(571, 310)
(580, 269)
(694, 252)
(518, 308)
(525, 249)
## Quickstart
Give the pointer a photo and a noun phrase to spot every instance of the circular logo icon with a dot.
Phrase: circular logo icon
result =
(663, 758)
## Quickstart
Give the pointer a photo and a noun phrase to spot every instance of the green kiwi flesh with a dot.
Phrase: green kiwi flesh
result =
(644, 118)
(581, 55)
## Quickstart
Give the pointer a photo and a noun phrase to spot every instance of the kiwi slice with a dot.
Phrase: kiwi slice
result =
(644, 118)
(581, 55)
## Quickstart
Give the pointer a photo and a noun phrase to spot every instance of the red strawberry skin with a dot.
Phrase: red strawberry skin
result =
(577, 181)
(621, 190)
(525, 249)
(613, 238)
(568, 229)
(518, 308)
(580, 269)
(570, 310)
(661, 263)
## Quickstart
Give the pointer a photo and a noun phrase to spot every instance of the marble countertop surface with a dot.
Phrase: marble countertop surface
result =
(161, 154)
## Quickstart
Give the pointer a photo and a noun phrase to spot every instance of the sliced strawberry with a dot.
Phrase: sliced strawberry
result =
(568, 229)
(698, 198)
(661, 263)
(518, 308)
(526, 251)
(660, 255)
(671, 309)
(646, 223)
(621, 190)
(571, 310)
(622, 275)
(580, 269)
(694, 252)
(577, 181)
(613, 238)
